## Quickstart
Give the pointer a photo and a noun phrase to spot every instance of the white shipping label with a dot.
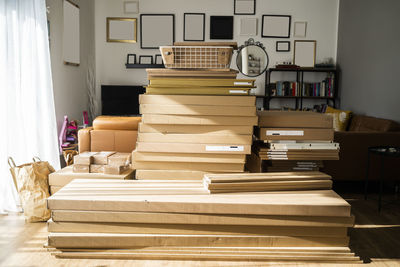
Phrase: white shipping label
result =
(224, 148)
(285, 133)
(241, 83)
(237, 91)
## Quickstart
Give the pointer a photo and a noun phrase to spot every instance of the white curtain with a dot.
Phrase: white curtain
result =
(27, 115)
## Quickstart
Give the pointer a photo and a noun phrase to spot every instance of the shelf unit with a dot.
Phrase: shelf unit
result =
(299, 79)
(144, 66)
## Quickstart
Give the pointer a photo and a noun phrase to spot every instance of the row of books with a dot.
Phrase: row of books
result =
(287, 88)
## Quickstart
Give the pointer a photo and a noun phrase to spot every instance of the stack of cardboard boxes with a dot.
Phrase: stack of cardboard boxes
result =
(191, 126)
(292, 141)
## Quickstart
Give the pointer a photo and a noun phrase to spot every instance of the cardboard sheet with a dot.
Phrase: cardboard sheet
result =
(198, 120)
(295, 134)
(236, 101)
(294, 119)
(202, 82)
(193, 148)
(169, 174)
(193, 166)
(196, 129)
(195, 138)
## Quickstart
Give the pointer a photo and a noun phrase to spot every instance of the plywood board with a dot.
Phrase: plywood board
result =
(192, 218)
(186, 109)
(193, 148)
(98, 240)
(184, 157)
(195, 129)
(195, 138)
(198, 120)
(248, 101)
(193, 166)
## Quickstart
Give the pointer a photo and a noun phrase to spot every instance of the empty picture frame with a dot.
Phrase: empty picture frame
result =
(244, 7)
(71, 40)
(304, 53)
(156, 30)
(121, 30)
(131, 59)
(248, 26)
(282, 46)
(275, 26)
(221, 27)
(145, 59)
(131, 7)
(300, 29)
(158, 59)
(194, 26)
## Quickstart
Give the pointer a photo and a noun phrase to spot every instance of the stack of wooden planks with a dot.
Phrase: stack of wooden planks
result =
(191, 126)
(136, 219)
(108, 162)
(259, 182)
(295, 136)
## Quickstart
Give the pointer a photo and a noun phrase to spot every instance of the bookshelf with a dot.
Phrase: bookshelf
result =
(298, 89)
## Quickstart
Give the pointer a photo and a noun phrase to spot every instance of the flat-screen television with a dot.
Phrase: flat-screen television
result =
(121, 100)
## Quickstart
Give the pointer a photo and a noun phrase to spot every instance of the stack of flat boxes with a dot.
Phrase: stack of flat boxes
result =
(293, 141)
(191, 126)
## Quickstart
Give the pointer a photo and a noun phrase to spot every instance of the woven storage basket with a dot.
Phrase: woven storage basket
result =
(197, 57)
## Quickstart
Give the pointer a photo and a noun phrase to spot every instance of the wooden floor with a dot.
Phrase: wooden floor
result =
(376, 238)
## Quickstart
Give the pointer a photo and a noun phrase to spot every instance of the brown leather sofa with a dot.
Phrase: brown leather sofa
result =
(364, 132)
(110, 134)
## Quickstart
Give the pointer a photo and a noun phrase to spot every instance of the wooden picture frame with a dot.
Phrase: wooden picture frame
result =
(248, 27)
(282, 46)
(71, 33)
(131, 7)
(156, 30)
(221, 27)
(129, 58)
(304, 53)
(194, 26)
(158, 59)
(244, 7)
(121, 30)
(300, 29)
(276, 26)
(143, 61)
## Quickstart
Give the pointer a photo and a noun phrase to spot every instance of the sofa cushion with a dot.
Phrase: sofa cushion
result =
(361, 123)
(111, 140)
(116, 123)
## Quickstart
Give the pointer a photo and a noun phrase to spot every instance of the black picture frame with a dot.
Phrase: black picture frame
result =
(145, 56)
(184, 26)
(221, 27)
(141, 30)
(237, 13)
(282, 50)
(128, 61)
(280, 36)
(156, 61)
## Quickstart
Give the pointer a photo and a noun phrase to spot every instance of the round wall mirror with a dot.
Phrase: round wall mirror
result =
(252, 59)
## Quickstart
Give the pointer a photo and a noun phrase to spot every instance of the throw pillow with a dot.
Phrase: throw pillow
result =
(341, 118)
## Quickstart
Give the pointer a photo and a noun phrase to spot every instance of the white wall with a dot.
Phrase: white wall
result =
(321, 16)
(69, 82)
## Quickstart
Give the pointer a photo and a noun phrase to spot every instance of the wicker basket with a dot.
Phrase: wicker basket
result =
(197, 57)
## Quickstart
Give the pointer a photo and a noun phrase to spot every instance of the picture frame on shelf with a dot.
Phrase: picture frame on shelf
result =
(194, 26)
(156, 30)
(244, 7)
(248, 26)
(276, 26)
(300, 29)
(282, 46)
(131, 59)
(131, 7)
(158, 59)
(221, 27)
(71, 34)
(304, 53)
(121, 30)
(145, 59)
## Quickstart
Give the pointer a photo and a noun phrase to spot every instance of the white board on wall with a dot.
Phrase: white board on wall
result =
(71, 40)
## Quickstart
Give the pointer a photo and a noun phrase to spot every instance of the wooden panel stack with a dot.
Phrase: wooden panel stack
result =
(298, 140)
(194, 125)
(149, 219)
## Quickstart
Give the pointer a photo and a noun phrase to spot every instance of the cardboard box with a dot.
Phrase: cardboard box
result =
(80, 168)
(182, 73)
(195, 138)
(193, 166)
(193, 148)
(109, 140)
(198, 120)
(294, 119)
(85, 158)
(96, 168)
(113, 169)
(236, 101)
(197, 110)
(222, 91)
(202, 82)
(101, 158)
(54, 189)
(120, 159)
(169, 175)
(185, 157)
(66, 175)
(195, 129)
(295, 134)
